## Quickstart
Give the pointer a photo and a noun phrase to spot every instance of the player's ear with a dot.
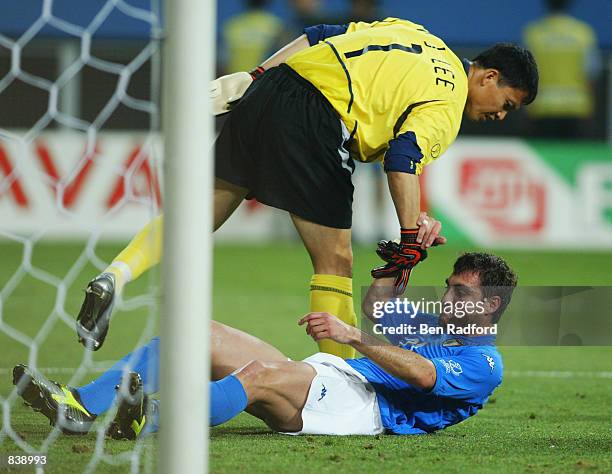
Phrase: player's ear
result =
(492, 304)
(490, 75)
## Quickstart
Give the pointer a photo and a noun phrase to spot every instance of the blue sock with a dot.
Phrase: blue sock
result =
(227, 396)
(98, 396)
(227, 399)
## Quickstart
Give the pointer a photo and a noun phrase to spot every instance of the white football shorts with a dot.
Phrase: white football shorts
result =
(340, 401)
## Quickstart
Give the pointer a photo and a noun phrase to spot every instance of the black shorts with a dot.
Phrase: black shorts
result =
(285, 143)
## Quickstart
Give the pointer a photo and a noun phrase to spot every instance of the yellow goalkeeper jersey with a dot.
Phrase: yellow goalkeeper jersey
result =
(388, 80)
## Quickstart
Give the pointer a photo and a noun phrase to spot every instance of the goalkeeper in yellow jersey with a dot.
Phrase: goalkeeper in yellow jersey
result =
(385, 91)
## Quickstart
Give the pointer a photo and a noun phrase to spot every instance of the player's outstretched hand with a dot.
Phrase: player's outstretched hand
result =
(429, 231)
(326, 326)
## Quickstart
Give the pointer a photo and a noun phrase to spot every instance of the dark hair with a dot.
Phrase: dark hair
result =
(516, 66)
(495, 275)
(558, 5)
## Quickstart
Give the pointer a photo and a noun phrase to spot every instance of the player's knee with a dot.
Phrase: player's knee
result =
(255, 377)
(253, 371)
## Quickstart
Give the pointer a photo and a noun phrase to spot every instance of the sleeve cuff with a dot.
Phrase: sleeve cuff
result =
(438, 386)
(318, 33)
(403, 154)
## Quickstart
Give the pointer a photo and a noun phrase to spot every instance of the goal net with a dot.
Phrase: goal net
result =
(79, 175)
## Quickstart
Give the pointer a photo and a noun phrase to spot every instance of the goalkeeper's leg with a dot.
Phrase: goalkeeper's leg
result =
(143, 252)
(331, 287)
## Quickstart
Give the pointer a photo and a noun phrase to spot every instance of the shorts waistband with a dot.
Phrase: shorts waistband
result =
(291, 73)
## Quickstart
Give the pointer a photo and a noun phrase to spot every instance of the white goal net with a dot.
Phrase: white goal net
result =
(79, 175)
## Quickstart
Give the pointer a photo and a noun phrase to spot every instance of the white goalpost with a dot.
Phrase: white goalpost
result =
(186, 278)
(80, 174)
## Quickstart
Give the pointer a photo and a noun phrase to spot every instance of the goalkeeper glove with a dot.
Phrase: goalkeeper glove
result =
(401, 258)
(227, 90)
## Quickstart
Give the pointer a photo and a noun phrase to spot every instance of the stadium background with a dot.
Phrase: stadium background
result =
(545, 204)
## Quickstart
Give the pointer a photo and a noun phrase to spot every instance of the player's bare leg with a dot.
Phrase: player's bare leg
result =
(232, 349)
(329, 248)
(331, 287)
(227, 198)
(277, 392)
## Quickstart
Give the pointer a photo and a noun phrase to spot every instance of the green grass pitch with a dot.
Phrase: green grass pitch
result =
(532, 423)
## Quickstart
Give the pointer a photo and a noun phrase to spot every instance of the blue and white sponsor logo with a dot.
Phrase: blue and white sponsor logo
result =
(490, 361)
(411, 343)
(452, 367)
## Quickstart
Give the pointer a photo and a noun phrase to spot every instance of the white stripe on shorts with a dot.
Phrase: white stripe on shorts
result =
(344, 154)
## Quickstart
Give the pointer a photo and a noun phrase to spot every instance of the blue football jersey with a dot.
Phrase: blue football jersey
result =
(468, 369)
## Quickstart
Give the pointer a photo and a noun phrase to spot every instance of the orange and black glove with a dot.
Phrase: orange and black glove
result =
(401, 258)
(257, 72)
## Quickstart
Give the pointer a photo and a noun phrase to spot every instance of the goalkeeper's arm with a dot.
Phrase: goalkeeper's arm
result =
(227, 90)
(400, 163)
(286, 52)
(406, 194)
(404, 187)
(405, 191)
(312, 36)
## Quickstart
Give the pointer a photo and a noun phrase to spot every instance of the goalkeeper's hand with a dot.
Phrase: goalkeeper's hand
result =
(403, 256)
(227, 90)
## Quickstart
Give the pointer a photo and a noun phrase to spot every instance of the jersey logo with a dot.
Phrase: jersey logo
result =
(452, 367)
(411, 343)
(490, 361)
(435, 150)
(323, 393)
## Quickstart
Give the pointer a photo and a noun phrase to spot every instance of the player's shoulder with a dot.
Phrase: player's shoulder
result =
(485, 359)
(401, 24)
(399, 21)
(490, 362)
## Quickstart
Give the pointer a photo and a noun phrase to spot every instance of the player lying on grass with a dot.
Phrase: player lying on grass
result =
(387, 91)
(428, 384)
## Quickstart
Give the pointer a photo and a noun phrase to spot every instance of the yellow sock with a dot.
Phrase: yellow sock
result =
(334, 294)
(143, 252)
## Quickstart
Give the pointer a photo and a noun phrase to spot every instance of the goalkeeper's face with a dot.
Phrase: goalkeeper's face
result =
(489, 98)
(464, 301)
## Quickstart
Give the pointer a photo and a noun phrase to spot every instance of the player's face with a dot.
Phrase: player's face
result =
(488, 100)
(461, 289)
